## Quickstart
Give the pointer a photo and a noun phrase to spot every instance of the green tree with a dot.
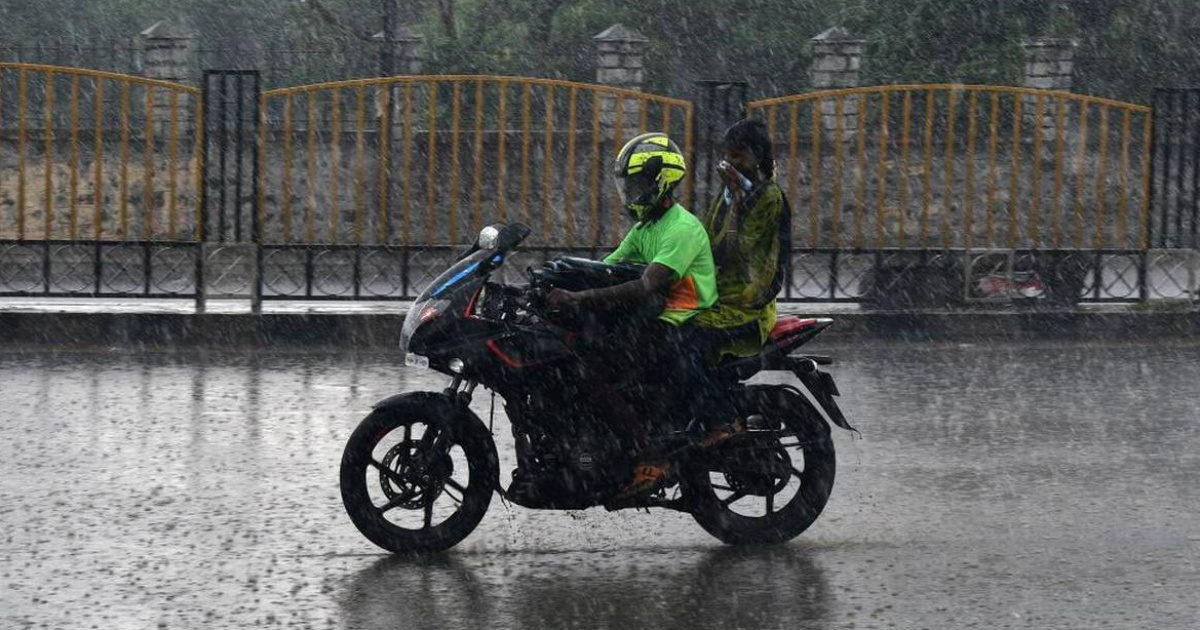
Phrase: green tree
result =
(1126, 47)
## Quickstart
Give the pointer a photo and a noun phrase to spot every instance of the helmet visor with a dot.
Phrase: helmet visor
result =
(632, 188)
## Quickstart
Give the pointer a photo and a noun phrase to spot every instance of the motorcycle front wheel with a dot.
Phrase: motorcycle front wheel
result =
(418, 476)
(766, 485)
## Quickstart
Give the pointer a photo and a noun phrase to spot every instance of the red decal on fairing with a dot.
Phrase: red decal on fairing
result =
(509, 361)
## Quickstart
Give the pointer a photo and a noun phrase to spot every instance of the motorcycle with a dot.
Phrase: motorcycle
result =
(419, 472)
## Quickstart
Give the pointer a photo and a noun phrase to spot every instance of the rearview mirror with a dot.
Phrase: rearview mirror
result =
(502, 237)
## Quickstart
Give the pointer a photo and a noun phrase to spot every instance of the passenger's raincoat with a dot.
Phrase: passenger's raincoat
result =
(746, 243)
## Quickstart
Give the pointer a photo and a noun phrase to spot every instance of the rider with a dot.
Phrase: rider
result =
(679, 281)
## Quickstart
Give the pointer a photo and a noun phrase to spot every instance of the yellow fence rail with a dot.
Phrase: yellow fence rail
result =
(414, 160)
(430, 159)
(89, 155)
(963, 166)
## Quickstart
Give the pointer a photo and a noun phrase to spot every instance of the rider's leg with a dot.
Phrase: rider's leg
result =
(663, 372)
(619, 359)
(613, 405)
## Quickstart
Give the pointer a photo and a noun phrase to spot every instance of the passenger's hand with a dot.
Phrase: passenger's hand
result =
(728, 175)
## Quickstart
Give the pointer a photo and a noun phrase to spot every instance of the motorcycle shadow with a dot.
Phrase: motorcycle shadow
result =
(760, 587)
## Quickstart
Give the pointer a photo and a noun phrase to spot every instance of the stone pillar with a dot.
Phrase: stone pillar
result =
(408, 59)
(620, 62)
(1049, 64)
(837, 56)
(409, 49)
(168, 54)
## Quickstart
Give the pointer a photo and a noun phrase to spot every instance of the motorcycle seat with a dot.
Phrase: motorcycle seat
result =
(789, 325)
(743, 367)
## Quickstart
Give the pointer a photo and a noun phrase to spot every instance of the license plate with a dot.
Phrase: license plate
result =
(416, 360)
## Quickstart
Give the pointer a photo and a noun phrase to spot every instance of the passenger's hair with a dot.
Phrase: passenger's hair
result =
(752, 134)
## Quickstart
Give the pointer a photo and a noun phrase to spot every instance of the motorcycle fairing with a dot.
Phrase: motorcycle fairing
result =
(518, 352)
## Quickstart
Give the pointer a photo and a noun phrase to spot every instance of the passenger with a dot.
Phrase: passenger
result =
(749, 226)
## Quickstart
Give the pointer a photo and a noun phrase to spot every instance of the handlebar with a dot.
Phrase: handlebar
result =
(536, 296)
(531, 298)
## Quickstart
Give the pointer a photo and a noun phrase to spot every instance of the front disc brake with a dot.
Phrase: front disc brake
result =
(415, 483)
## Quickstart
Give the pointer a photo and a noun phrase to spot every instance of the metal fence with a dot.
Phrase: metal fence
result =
(1176, 171)
(365, 189)
(98, 183)
(112, 185)
(968, 166)
(444, 155)
(973, 193)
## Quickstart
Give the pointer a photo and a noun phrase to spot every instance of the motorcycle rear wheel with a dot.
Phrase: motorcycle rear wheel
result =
(404, 497)
(751, 468)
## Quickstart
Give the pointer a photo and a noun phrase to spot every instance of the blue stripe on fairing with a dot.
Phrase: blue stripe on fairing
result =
(458, 276)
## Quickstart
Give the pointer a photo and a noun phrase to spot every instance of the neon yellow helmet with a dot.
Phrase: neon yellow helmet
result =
(647, 170)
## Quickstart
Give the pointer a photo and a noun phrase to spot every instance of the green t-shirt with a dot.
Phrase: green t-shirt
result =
(678, 241)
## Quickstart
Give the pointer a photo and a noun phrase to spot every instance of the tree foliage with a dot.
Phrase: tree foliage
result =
(1126, 47)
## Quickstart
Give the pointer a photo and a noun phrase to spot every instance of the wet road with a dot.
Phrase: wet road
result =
(1049, 486)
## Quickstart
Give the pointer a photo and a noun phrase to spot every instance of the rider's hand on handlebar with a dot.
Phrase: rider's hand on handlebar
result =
(559, 300)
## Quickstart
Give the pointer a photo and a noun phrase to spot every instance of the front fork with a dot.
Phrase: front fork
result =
(462, 397)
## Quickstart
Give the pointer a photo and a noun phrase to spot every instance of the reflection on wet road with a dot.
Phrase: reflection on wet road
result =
(1022, 486)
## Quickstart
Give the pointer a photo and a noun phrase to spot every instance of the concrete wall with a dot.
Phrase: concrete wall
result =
(64, 187)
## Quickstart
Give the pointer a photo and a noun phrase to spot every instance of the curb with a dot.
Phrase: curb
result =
(366, 331)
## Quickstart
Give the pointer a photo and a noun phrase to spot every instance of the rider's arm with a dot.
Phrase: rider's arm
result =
(621, 253)
(648, 292)
(670, 254)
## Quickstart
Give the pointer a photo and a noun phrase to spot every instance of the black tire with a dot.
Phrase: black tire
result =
(360, 465)
(797, 418)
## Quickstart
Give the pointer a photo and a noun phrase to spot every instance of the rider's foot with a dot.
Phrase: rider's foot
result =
(720, 435)
(648, 476)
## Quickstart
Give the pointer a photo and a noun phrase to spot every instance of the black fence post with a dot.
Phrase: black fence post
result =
(1143, 290)
(97, 268)
(356, 272)
(1194, 138)
(46, 280)
(238, 144)
(708, 138)
(833, 275)
(223, 149)
(1174, 197)
(256, 234)
(309, 271)
(717, 113)
(405, 268)
(147, 270)
(1181, 119)
(202, 211)
(1169, 130)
